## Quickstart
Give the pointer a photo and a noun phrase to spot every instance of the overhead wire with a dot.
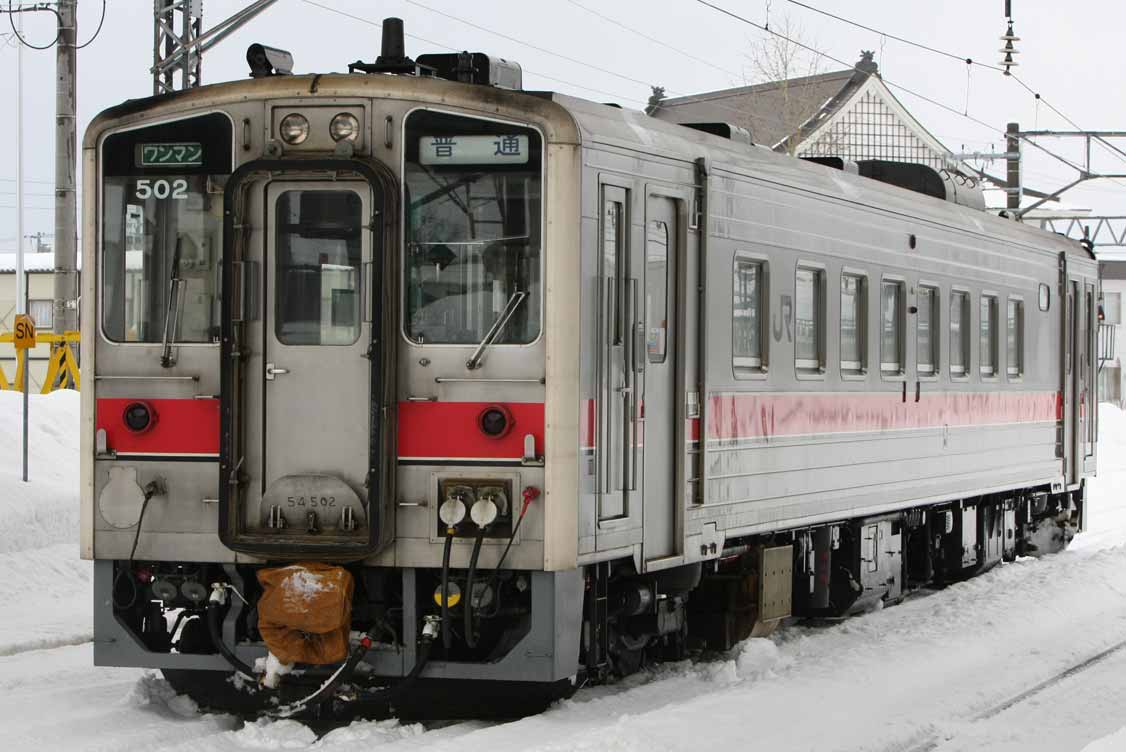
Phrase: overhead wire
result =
(33, 9)
(377, 24)
(945, 53)
(826, 55)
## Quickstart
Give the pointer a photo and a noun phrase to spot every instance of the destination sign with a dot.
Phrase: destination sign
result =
(173, 155)
(473, 150)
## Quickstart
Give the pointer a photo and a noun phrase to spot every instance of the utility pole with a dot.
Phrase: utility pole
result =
(1012, 166)
(66, 205)
(21, 278)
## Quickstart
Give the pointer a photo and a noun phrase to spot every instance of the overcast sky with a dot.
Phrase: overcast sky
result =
(1070, 52)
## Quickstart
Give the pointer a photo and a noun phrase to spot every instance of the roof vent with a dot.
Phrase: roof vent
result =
(723, 130)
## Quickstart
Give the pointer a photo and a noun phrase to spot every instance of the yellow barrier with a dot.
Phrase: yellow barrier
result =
(61, 368)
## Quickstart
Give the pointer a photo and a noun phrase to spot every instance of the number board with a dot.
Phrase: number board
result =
(174, 155)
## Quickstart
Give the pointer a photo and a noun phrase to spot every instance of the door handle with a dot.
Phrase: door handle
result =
(272, 371)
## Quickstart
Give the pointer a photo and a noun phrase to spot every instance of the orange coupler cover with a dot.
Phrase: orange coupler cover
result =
(305, 613)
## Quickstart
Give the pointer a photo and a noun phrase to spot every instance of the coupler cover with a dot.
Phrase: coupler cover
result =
(305, 612)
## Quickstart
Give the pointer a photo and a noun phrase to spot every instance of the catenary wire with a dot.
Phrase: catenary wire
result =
(654, 40)
(97, 31)
(961, 58)
(816, 51)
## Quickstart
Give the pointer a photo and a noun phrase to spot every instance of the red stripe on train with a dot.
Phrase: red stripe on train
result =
(182, 427)
(448, 430)
(762, 415)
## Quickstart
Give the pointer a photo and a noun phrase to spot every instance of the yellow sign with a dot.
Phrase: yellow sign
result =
(24, 332)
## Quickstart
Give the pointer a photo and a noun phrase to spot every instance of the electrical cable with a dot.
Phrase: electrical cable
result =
(530, 494)
(97, 31)
(816, 51)
(24, 42)
(150, 490)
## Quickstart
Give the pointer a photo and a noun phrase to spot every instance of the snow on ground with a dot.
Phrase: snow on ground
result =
(917, 674)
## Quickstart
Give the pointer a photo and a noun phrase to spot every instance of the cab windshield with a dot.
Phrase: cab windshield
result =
(161, 239)
(472, 230)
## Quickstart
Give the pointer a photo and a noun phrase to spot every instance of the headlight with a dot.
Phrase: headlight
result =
(495, 421)
(344, 127)
(294, 129)
(138, 417)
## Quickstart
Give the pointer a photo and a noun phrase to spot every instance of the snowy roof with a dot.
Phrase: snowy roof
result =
(32, 262)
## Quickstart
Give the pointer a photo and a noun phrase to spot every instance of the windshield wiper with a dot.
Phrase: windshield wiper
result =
(510, 307)
(172, 313)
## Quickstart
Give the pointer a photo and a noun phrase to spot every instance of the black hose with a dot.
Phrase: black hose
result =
(470, 638)
(213, 626)
(447, 637)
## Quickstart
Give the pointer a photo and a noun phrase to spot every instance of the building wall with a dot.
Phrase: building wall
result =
(40, 293)
(1111, 386)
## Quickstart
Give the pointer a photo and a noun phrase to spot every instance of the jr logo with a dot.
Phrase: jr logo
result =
(784, 318)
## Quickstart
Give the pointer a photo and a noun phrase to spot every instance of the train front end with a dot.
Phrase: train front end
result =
(324, 372)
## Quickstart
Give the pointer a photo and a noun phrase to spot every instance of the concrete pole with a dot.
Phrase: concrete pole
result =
(66, 204)
(1012, 166)
(21, 278)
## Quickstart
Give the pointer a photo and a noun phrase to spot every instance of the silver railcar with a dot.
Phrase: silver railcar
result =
(562, 386)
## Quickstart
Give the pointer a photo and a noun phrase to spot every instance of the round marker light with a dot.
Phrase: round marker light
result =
(483, 513)
(138, 417)
(344, 127)
(294, 129)
(451, 512)
(495, 421)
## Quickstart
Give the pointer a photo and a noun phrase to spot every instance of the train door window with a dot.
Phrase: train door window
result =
(747, 319)
(657, 291)
(926, 332)
(854, 306)
(317, 298)
(987, 336)
(959, 334)
(809, 327)
(892, 314)
(1014, 339)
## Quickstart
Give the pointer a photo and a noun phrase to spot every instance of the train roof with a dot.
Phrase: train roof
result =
(570, 120)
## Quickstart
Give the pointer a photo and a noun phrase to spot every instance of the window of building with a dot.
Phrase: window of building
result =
(1112, 308)
(891, 327)
(42, 312)
(747, 315)
(1014, 340)
(926, 332)
(809, 306)
(987, 336)
(854, 304)
(959, 336)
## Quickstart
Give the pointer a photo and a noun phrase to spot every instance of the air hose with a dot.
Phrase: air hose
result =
(447, 636)
(348, 667)
(214, 610)
(470, 639)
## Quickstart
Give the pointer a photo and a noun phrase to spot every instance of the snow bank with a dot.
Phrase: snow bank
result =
(43, 511)
(1116, 742)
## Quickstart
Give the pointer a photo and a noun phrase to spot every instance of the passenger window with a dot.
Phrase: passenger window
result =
(808, 309)
(987, 336)
(1014, 347)
(657, 290)
(926, 336)
(891, 328)
(854, 303)
(747, 319)
(318, 268)
(959, 338)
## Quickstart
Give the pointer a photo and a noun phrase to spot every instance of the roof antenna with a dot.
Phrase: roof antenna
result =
(393, 55)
